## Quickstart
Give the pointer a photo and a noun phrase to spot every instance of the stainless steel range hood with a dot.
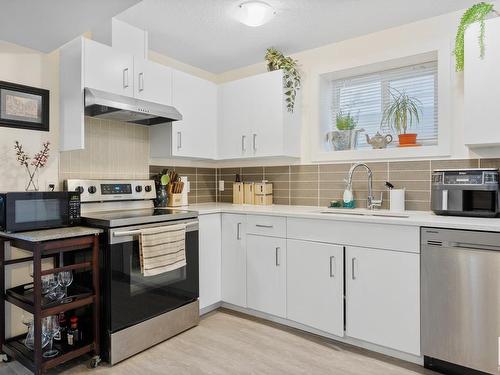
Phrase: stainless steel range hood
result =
(109, 106)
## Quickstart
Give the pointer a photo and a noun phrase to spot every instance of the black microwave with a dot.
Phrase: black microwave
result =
(22, 211)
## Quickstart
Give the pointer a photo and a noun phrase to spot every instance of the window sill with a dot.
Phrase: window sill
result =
(417, 152)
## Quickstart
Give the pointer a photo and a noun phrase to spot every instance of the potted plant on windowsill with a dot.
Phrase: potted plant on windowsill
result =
(346, 135)
(401, 114)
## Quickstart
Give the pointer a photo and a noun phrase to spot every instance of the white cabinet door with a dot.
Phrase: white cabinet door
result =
(234, 274)
(210, 259)
(481, 88)
(108, 69)
(266, 114)
(383, 298)
(266, 274)
(235, 117)
(152, 81)
(315, 285)
(196, 134)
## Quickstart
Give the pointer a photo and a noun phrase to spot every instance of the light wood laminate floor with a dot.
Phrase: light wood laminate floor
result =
(231, 343)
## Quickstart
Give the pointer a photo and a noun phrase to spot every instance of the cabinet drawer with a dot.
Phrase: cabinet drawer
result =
(266, 225)
(382, 236)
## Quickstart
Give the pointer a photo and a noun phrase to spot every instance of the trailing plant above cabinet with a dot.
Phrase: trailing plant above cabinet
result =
(476, 13)
(291, 76)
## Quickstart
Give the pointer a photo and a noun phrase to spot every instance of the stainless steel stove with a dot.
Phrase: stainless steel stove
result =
(134, 305)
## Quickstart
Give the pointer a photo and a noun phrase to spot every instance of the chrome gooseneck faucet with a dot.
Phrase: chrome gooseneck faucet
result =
(371, 203)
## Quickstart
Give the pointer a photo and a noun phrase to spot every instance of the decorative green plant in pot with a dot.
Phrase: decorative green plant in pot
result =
(346, 135)
(401, 114)
(291, 76)
(476, 13)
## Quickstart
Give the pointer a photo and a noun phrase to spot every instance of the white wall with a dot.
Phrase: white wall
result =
(24, 66)
(433, 34)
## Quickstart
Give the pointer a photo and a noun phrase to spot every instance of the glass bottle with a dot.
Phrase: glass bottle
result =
(73, 334)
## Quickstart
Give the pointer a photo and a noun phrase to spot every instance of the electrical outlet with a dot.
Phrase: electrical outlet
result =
(221, 185)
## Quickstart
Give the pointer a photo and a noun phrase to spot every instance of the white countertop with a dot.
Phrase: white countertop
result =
(414, 218)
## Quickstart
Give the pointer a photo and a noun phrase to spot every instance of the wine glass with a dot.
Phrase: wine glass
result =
(65, 278)
(49, 283)
(51, 326)
(29, 341)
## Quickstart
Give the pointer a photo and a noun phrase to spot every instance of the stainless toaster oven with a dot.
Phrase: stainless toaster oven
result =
(465, 192)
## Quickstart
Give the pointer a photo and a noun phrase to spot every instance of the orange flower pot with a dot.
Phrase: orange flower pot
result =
(409, 139)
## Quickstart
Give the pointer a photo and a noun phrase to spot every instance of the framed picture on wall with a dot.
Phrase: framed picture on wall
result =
(24, 107)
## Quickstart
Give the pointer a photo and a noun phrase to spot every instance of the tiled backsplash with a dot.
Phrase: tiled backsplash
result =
(202, 182)
(318, 184)
(112, 150)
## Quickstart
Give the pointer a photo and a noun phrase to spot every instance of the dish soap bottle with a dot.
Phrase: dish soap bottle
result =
(348, 199)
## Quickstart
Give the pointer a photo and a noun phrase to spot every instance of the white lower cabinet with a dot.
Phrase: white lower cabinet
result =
(383, 298)
(210, 259)
(315, 285)
(234, 274)
(266, 274)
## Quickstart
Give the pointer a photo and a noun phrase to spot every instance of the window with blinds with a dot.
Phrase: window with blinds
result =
(366, 96)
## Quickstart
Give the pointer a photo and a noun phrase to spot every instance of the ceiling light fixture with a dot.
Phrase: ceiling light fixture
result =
(255, 13)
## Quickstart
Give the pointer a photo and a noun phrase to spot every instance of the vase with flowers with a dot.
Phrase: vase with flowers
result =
(32, 165)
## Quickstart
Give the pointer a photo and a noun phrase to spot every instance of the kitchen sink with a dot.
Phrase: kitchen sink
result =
(363, 213)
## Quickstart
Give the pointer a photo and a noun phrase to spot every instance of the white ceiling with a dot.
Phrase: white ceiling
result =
(45, 25)
(202, 32)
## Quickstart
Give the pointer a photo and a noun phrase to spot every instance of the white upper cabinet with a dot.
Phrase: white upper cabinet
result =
(383, 298)
(107, 69)
(86, 63)
(152, 81)
(254, 120)
(195, 136)
(481, 88)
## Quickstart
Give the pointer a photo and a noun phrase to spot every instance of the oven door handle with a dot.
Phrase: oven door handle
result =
(137, 232)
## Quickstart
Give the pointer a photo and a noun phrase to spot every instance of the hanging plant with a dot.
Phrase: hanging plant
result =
(476, 13)
(291, 76)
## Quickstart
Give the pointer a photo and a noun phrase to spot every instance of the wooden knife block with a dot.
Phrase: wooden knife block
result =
(174, 200)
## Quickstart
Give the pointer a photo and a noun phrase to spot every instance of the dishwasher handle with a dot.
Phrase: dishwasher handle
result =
(473, 246)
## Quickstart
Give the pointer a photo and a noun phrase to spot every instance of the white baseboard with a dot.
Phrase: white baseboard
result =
(346, 340)
(212, 307)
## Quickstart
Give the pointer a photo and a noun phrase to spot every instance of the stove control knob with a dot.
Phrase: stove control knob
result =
(92, 189)
(79, 189)
(138, 188)
(147, 188)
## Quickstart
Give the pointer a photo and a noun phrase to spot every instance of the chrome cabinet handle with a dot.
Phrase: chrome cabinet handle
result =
(263, 226)
(141, 81)
(255, 142)
(278, 256)
(179, 140)
(125, 78)
(238, 231)
(353, 275)
(243, 143)
(332, 259)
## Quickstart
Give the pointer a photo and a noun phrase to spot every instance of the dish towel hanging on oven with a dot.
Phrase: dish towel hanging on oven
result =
(162, 249)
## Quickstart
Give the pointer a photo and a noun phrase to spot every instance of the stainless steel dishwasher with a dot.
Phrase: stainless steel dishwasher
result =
(460, 301)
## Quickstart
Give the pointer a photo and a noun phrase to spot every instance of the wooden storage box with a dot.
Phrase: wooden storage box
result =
(249, 193)
(263, 188)
(238, 195)
(264, 200)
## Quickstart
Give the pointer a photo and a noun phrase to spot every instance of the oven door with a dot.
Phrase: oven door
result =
(35, 210)
(133, 298)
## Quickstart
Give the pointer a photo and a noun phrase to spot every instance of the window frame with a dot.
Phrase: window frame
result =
(324, 74)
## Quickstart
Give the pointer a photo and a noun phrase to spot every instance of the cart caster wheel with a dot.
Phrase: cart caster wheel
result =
(94, 362)
(4, 358)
